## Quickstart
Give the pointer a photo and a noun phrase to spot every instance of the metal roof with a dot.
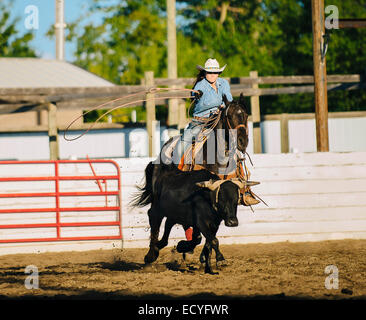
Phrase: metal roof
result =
(42, 73)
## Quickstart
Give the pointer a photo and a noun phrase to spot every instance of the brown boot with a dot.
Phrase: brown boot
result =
(249, 200)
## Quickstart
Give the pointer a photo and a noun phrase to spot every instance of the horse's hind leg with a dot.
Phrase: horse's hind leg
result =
(164, 240)
(155, 222)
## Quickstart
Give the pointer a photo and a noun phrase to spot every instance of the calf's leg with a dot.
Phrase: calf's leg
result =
(219, 255)
(220, 260)
(164, 240)
(207, 251)
(187, 246)
(209, 229)
(155, 221)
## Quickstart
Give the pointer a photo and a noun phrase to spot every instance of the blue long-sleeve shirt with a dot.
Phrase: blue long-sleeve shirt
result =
(211, 99)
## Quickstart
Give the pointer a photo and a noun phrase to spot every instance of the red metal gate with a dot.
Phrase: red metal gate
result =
(56, 197)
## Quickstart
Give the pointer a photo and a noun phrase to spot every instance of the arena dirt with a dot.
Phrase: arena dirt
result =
(260, 271)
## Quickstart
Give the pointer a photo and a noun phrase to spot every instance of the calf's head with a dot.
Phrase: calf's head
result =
(226, 196)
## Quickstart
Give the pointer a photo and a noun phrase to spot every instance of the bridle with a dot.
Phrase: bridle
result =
(240, 125)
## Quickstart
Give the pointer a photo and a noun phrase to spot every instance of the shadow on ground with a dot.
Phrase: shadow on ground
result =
(97, 295)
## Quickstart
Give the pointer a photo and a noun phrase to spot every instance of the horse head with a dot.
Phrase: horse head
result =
(236, 115)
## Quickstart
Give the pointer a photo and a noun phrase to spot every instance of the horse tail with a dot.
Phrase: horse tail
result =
(144, 195)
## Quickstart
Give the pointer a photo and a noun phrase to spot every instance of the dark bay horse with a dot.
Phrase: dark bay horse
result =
(216, 147)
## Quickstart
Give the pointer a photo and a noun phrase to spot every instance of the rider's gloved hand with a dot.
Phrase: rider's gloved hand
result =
(198, 95)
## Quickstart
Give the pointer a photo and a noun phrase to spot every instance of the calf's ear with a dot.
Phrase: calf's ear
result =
(201, 184)
(210, 184)
(204, 184)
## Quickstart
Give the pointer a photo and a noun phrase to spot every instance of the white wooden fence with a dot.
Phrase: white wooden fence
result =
(311, 197)
(346, 134)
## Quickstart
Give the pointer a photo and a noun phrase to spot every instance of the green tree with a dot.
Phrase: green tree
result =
(344, 55)
(129, 41)
(11, 43)
(273, 37)
(235, 32)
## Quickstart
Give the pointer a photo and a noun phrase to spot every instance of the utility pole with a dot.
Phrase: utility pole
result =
(53, 132)
(59, 30)
(150, 113)
(320, 76)
(173, 114)
(256, 116)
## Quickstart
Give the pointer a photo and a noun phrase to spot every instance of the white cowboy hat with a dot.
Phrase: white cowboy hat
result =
(211, 65)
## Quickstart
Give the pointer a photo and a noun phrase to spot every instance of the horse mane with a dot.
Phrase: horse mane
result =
(200, 76)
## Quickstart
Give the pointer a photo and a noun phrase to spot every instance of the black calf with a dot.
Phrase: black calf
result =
(196, 198)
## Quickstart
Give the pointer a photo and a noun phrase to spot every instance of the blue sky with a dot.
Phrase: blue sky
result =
(44, 46)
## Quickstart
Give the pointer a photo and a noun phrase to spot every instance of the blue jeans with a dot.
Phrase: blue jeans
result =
(190, 133)
(214, 153)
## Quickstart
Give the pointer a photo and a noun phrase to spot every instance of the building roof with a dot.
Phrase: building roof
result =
(42, 73)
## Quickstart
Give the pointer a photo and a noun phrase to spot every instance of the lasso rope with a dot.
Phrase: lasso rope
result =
(151, 91)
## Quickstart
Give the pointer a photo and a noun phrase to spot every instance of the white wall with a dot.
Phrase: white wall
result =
(311, 197)
(24, 146)
(315, 196)
(345, 134)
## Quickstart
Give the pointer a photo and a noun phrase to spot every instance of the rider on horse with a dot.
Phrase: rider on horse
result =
(209, 102)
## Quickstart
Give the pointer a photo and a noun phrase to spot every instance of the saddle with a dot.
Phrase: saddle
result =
(188, 161)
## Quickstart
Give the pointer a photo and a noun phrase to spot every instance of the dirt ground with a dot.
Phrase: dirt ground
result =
(254, 271)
